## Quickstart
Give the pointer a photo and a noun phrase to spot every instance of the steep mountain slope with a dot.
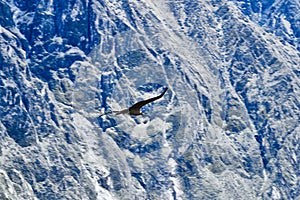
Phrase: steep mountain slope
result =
(228, 127)
(278, 17)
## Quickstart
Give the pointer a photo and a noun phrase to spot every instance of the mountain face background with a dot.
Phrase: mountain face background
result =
(228, 127)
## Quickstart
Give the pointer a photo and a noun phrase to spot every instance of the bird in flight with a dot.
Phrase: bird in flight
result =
(135, 109)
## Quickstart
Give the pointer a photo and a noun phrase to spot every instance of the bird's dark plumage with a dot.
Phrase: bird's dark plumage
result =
(135, 108)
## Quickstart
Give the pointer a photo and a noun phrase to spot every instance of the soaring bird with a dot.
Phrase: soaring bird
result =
(135, 109)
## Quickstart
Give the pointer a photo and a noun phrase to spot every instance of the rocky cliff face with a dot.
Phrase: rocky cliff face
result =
(228, 127)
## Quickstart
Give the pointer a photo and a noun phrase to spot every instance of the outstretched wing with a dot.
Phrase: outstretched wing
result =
(140, 104)
(125, 111)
